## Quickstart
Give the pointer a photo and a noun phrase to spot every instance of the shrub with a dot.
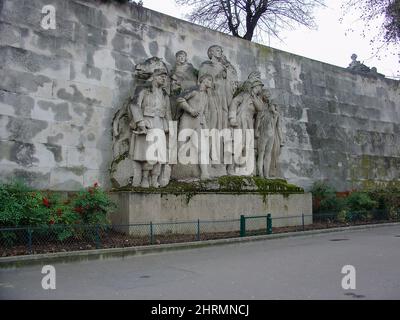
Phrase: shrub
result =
(49, 213)
(93, 205)
(321, 189)
(387, 198)
(342, 216)
(325, 199)
(360, 201)
(20, 206)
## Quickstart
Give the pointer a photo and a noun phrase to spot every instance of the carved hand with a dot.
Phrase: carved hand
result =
(233, 123)
(194, 113)
(142, 126)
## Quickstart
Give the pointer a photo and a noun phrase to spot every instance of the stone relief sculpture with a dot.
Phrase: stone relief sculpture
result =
(243, 110)
(196, 105)
(211, 98)
(225, 82)
(121, 136)
(124, 169)
(150, 110)
(268, 132)
(357, 66)
(184, 71)
(183, 77)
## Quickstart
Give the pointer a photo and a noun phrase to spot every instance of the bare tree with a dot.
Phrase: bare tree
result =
(370, 10)
(247, 18)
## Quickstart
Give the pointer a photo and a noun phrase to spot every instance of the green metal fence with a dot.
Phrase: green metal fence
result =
(255, 225)
(56, 238)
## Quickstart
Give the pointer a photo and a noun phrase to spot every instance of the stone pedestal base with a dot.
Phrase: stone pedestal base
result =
(135, 207)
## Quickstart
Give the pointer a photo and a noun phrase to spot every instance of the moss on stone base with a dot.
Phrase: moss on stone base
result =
(225, 184)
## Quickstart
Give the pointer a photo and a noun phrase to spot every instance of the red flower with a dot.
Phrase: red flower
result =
(95, 185)
(343, 194)
(51, 221)
(46, 202)
(79, 210)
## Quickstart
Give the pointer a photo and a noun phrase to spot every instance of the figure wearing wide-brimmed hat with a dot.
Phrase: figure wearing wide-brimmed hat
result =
(150, 110)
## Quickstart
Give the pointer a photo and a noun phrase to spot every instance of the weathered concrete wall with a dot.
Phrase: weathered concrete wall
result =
(60, 88)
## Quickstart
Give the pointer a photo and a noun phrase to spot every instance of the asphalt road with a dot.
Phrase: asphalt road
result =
(307, 267)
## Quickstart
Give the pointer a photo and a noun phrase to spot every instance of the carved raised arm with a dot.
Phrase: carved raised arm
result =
(232, 110)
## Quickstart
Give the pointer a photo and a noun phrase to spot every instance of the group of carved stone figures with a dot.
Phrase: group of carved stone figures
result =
(208, 98)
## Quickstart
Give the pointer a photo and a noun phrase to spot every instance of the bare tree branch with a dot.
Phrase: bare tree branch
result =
(247, 18)
(369, 10)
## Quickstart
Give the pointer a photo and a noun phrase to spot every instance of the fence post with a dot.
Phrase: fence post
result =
(29, 240)
(242, 226)
(269, 223)
(302, 220)
(151, 232)
(98, 243)
(198, 229)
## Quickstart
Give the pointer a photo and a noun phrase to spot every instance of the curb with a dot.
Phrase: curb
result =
(118, 253)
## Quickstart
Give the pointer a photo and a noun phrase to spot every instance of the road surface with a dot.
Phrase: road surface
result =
(306, 267)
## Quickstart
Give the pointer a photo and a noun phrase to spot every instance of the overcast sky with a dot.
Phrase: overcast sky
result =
(331, 43)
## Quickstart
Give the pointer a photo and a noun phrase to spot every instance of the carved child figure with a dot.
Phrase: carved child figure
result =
(184, 71)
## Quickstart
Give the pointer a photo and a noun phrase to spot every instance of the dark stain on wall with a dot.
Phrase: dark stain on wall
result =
(61, 110)
(23, 154)
(76, 96)
(55, 150)
(24, 129)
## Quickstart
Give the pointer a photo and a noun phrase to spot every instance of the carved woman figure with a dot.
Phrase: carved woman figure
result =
(225, 78)
(268, 131)
(243, 110)
(196, 104)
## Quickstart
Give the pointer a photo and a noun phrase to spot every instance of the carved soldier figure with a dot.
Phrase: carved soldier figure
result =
(150, 110)
(268, 131)
(124, 169)
(196, 105)
(225, 80)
